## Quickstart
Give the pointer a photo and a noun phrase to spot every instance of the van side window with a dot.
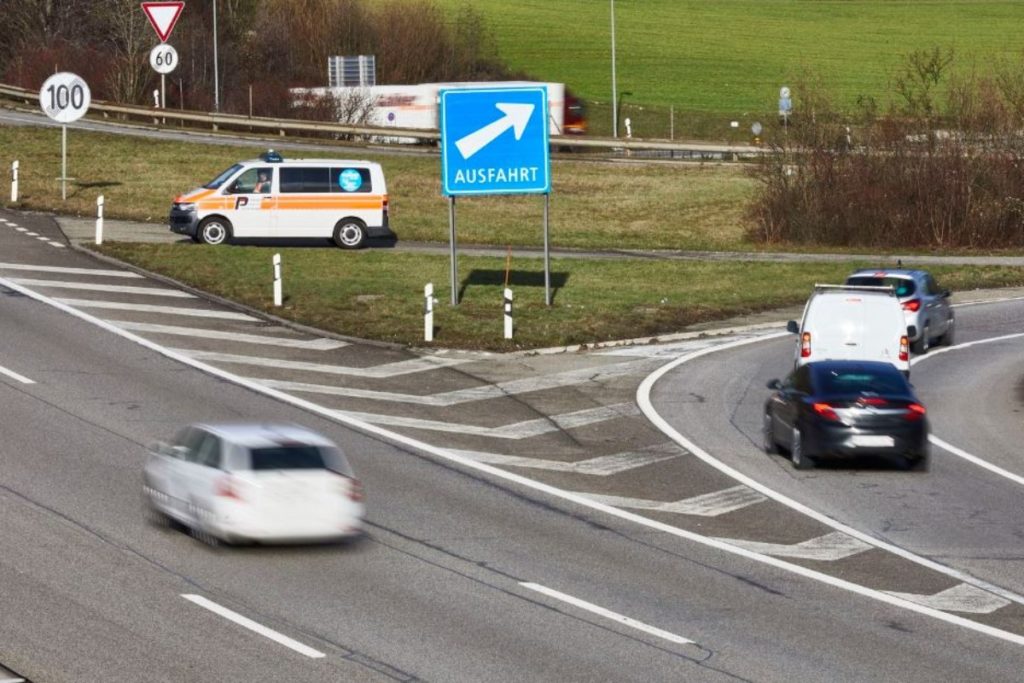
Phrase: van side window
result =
(351, 180)
(295, 179)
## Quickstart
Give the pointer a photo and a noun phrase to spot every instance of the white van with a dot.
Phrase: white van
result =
(843, 322)
(270, 197)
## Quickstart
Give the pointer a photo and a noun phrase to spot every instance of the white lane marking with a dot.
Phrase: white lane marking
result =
(120, 289)
(602, 466)
(31, 234)
(383, 371)
(70, 271)
(959, 452)
(56, 244)
(706, 505)
(828, 548)
(254, 626)
(982, 302)
(13, 375)
(959, 598)
(675, 348)
(540, 487)
(643, 397)
(319, 344)
(165, 310)
(516, 430)
(607, 614)
(22, 229)
(43, 239)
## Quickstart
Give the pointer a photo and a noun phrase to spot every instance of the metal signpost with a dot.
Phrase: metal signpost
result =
(163, 58)
(65, 98)
(495, 141)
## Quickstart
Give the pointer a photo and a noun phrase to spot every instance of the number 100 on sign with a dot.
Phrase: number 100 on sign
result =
(65, 97)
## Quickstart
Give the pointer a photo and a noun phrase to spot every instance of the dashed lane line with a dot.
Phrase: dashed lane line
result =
(318, 344)
(253, 626)
(601, 466)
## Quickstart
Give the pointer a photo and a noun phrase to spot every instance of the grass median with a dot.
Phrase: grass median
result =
(378, 294)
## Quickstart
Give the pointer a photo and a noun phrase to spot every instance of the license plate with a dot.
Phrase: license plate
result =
(873, 440)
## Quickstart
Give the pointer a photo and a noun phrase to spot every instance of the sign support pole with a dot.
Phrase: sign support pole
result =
(547, 252)
(454, 264)
(64, 163)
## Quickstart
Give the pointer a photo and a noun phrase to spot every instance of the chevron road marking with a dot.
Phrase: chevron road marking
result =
(518, 430)
(706, 505)
(603, 466)
(383, 371)
(321, 344)
(830, 547)
(70, 271)
(64, 284)
(149, 308)
(959, 598)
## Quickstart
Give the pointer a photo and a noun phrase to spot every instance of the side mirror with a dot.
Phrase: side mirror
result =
(946, 294)
(793, 326)
(911, 330)
(774, 384)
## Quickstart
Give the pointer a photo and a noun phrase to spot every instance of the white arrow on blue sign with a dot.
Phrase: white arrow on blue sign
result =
(494, 141)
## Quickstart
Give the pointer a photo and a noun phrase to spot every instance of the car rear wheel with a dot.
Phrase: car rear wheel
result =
(921, 345)
(214, 230)
(350, 233)
(801, 460)
(770, 447)
(947, 338)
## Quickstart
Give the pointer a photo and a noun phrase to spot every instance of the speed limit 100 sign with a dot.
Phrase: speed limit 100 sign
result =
(65, 97)
(163, 58)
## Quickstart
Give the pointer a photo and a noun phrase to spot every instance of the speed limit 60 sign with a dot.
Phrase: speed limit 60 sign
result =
(65, 97)
(163, 58)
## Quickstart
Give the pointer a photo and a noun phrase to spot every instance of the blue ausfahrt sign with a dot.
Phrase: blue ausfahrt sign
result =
(494, 141)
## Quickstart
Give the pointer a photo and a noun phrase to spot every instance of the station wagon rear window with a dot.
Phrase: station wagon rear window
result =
(288, 458)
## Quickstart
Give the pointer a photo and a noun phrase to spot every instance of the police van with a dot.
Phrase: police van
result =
(270, 197)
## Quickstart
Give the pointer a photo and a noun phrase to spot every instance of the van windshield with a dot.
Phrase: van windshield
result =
(222, 178)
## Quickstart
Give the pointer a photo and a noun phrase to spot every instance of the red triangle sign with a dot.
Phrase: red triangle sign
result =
(163, 16)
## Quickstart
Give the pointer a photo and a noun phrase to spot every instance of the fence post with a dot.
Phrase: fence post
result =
(508, 313)
(428, 312)
(99, 220)
(14, 182)
(277, 279)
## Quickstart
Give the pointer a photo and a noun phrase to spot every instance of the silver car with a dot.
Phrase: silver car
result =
(254, 483)
(925, 304)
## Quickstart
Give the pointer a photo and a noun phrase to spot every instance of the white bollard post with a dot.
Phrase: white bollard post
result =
(277, 279)
(428, 312)
(508, 313)
(14, 182)
(99, 220)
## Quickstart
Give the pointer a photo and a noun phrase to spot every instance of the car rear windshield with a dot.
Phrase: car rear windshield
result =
(288, 458)
(838, 382)
(903, 286)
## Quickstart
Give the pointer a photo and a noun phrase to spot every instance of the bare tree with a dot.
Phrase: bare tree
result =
(130, 40)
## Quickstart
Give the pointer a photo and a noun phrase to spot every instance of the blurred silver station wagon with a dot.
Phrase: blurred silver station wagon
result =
(268, 483)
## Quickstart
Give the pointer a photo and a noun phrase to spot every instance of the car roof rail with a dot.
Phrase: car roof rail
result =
(887, 289)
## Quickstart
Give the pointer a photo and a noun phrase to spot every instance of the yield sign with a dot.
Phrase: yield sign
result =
(163, 16)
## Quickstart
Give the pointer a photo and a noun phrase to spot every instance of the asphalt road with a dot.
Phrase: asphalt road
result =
(91, 590)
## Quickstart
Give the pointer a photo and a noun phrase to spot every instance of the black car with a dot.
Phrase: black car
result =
(846, 409)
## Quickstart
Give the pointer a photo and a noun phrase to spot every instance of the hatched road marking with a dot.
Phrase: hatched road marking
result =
(828, 548)
(149, 308)
(706, 505)
(603, 466)
(120, 289)
(959, 598)
(383, 371)
(70, 271)
(319, 344)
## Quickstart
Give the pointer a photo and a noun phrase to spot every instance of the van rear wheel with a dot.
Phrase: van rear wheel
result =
(214, 230)
(350, 233)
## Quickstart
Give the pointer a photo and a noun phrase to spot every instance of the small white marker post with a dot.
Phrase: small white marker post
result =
(14, 182)
(277, 279)
(428, 312)
(508, 313)
(99, 220)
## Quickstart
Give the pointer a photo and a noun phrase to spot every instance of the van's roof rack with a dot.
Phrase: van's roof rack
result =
(888, 289)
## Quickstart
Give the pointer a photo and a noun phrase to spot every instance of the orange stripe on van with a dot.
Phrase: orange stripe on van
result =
(370, 203)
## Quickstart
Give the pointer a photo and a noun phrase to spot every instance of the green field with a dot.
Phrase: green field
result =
(730, 57)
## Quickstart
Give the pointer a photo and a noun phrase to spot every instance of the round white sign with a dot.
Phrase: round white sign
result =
(784, 92)
(163, 58)
(65, 97)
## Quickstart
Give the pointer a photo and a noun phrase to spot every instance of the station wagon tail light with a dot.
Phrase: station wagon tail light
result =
(353, 488)
(904, 348)
(227, 487)
(915, 411)
(824, 410)
(805, 345)
(914, 305)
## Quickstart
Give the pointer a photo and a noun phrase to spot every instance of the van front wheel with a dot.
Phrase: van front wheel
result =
(350, 234)
(214, 230)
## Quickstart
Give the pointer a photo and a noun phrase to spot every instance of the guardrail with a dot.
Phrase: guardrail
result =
(284, 127)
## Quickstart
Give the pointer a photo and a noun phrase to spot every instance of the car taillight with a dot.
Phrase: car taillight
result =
(914, 305)
(226, 487)
(353, 488)
(871, 401)
(915, 411)
(825, 410)
(805, 345)
(385, 205)
(904, 348)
